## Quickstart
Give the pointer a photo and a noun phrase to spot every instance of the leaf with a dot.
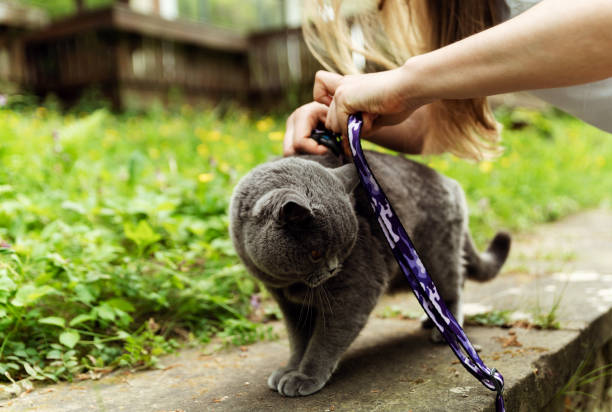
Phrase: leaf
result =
(28, 294)
(70, 338)
(106, 312)
(75, 207)
(83, 293)
(6, 283)
(54, 354)
(121, 334)
(122, 304)
(84, 317)
(29, 369)
(53, 320)
(142, 234)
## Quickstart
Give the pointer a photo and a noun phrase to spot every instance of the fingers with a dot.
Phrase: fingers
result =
(288, 149)
(325, 86)
(299, 126)
(337, 118)
(330, 89)
(369, 123)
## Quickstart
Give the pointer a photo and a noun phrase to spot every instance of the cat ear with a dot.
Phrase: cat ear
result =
(348, 176)
(293, 211)
(266, 202)
(287, 205)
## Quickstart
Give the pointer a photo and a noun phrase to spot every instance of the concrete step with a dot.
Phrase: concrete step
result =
(392, 366)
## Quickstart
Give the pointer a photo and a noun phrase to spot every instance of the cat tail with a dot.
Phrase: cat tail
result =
(485, 266)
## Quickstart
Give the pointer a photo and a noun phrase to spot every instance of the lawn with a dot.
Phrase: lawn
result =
(113, 228)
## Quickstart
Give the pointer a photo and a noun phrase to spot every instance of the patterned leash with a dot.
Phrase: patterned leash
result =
(414, 270)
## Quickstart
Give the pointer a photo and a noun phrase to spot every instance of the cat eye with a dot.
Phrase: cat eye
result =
(316, 254)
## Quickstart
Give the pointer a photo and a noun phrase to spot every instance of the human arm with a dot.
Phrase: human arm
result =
(555, 43)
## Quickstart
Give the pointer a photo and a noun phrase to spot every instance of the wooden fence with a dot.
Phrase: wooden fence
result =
(135, 58)
(15, 21)
(280, 64)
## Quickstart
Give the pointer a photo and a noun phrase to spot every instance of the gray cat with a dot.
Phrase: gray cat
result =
(305, 228)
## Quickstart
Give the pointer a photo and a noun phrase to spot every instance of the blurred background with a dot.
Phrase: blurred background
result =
(139, 51)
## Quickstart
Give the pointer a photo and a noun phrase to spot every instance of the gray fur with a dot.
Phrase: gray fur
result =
(284, 210)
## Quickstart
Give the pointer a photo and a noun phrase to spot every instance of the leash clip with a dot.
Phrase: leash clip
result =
(327, 138)
(499, 386)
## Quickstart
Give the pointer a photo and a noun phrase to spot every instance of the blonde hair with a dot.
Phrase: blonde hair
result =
(392, 31)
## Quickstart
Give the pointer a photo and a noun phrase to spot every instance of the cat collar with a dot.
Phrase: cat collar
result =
(327, 138)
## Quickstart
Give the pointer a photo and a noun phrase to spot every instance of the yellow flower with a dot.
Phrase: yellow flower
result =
(505, 162)
(205, 177)
(154, 153)
(277, 136)
(215, 135)
(264, 124)
(165, 130)
(485, 167)
(224, 167)
(439, 164)
(600, 161)
(203, 150)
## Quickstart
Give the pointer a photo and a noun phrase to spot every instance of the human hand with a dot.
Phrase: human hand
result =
(382, 98)
(299, 126)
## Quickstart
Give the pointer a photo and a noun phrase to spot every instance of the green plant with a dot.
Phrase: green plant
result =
(492, 318)
(547, 319)
(108, 221)
(580, 383)
(397, 312)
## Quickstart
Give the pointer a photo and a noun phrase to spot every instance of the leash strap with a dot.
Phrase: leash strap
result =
(414, 270)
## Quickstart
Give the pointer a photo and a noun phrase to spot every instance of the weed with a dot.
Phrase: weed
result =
(580, 383)
(397, 312)
(501, 318)
(548, 319)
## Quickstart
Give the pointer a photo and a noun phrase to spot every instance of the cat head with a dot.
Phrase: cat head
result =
(295, 220)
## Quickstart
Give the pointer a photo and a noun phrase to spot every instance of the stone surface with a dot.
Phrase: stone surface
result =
(392, 366)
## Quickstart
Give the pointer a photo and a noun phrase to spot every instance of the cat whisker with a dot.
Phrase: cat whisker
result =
(321, 312)
(325, 294)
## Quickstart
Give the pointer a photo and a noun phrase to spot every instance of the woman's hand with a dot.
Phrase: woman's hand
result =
(299, 126)
(404, 131)
(383, 98)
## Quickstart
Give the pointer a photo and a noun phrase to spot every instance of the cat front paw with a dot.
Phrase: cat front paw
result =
(298, 384)
(276, 376)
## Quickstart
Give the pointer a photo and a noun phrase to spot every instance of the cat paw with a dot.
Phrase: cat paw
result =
(297, 384)
(276, 376)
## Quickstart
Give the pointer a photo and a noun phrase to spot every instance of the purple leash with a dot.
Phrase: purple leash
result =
(414, 270)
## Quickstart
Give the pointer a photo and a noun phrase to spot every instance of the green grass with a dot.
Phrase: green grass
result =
(578, 388)
(553, 166)
(113, 228)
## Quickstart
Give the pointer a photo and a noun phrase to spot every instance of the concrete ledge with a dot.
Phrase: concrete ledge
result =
(392, 366)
